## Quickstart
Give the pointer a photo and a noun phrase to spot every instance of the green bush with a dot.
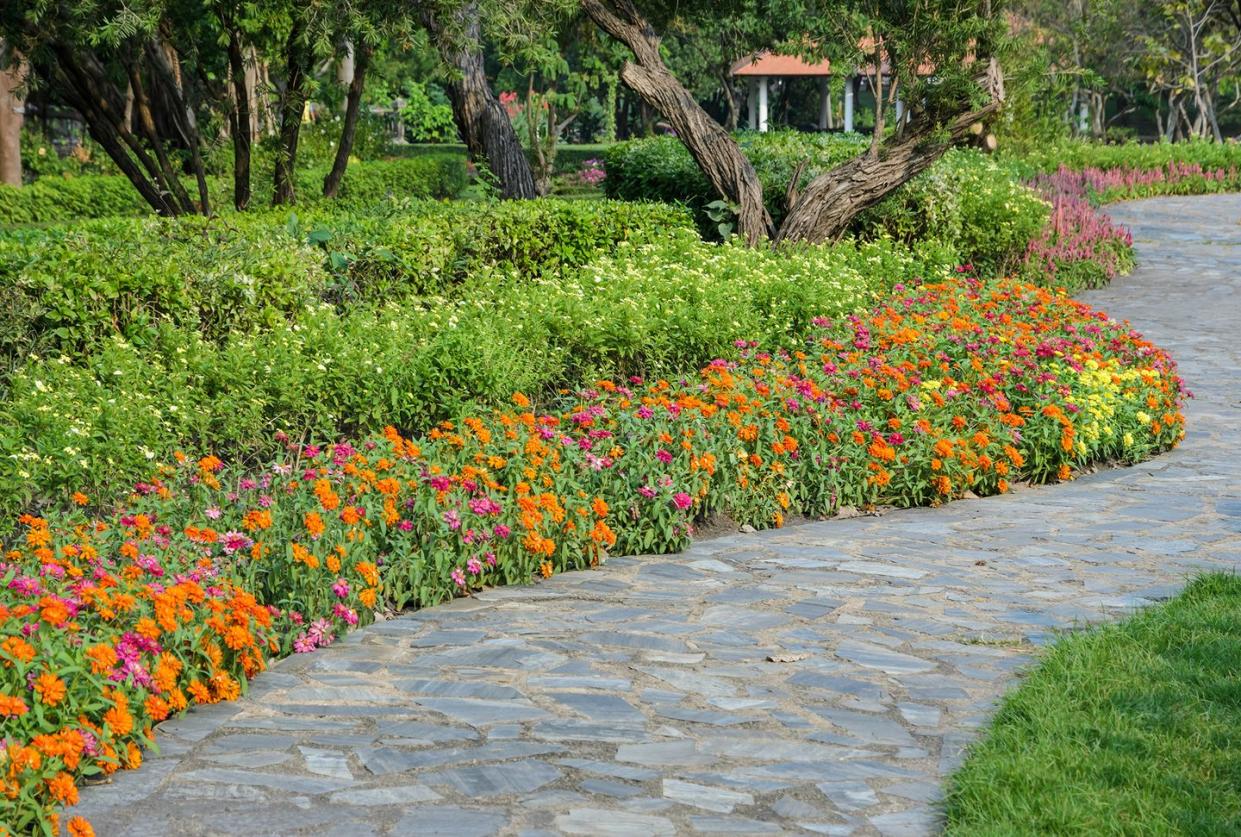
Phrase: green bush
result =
(652, 308)
(62, 199)
(54, 199)
(966, 199)
(66, 289)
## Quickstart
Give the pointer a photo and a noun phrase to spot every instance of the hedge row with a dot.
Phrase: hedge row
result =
(111, 623)
(662, 307)
(1078, 155)
(67, 289)
(54, 200)
(966, 200)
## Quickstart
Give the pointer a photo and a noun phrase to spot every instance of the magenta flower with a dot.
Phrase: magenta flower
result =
(682, 500)
(341, 588)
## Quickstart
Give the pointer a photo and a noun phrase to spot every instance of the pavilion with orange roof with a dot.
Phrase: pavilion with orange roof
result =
(760, 68)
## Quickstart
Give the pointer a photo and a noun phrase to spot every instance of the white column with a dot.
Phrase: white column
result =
(762, 104)
(900, 111)
(849, 83)
(752, 105)
(825, 104)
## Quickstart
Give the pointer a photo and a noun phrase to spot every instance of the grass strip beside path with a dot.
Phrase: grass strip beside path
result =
(1133, 728)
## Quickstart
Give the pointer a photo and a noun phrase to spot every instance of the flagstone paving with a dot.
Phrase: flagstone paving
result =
(818, 679)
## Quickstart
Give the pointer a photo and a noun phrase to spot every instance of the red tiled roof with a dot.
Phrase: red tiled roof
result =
(768, 63)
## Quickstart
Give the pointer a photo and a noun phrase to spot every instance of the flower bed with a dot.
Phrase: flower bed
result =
(1080, 247)
(111, 622)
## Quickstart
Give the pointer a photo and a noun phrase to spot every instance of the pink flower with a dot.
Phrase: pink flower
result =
(474, 566)
(458, 577)
(682, 500)
(341, 588)
(235, 541)
(663, 456)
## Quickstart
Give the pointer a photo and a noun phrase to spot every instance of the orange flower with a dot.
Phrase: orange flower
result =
(12, 707)
(314, 524)
(62, 789)
(600, 507)
(18, 649)
(256, 519)
(80, 498)
(53, 611)
(102, 658)
(50, 688)
(79, 827)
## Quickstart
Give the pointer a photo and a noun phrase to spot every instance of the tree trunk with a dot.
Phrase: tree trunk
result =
(292, 105)
(730, 103)
(484, 125)
(11, 104)
(830, 202)
(242, 126)
(353, 103)
(713, 148)
(165, 175)
(164, 59)
(82, 87)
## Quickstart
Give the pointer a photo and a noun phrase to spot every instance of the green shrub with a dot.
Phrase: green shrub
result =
(64, 290)
(63, 199)
(1081, 154)
(53, 199)
(966, 199)
(652, 308)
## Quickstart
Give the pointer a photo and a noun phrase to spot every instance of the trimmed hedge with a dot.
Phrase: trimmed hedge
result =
(54, 200)
(66, 289)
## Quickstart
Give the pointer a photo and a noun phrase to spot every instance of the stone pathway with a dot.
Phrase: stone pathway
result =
(818, 679)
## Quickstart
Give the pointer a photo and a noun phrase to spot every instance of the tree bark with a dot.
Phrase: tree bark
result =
(84, 92)
(830, 202)
(165, 175)
(361, 60)
(484, 125)
(713, 148)
(292, 105)
(241, 123)
(164, 59)
(11, 104)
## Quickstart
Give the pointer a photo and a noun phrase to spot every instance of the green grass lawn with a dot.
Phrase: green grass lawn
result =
(1133, 728)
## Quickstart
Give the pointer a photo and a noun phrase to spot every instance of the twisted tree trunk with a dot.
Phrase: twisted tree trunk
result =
(824, 210)
(163, 59)
(241, 122)
(484, 125)
(830, 202)
(713, 148)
